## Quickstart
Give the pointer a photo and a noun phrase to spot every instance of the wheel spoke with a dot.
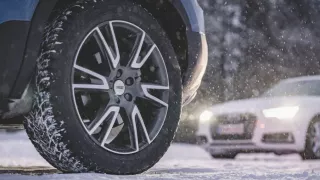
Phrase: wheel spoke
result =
(145, 89)
(89, 86)
(136, 114)
(110, 125)
(97, 122)
(104, 85)
(133, 132)
(137, 49)
(137, 65)
(106, 48)
(135, 117)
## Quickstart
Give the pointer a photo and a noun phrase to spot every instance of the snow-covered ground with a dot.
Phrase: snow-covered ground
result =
(181, 162)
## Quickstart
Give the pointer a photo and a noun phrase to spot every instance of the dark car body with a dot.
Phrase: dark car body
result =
(22, 23)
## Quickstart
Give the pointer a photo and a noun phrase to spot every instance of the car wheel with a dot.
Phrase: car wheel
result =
(312, 150)
(224, 156)
(108, 90)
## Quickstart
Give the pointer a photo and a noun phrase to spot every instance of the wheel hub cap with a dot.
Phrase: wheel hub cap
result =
(119, 88)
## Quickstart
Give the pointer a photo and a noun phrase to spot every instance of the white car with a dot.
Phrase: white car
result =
(285, 119)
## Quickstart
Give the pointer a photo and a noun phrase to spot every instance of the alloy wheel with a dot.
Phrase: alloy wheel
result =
(120, 87)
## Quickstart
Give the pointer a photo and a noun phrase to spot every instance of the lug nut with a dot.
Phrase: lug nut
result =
(128, 97)
(129, 81)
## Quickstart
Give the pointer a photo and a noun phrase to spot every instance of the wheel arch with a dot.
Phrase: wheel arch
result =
(170, 14)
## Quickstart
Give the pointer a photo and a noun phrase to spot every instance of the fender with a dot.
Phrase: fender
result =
(31, 52)
(197, 54)
(192, 14)
(15, 16)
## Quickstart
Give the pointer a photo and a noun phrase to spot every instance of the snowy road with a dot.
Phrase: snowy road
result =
(181, 162)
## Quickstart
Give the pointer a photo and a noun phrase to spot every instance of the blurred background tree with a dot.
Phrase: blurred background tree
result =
(252, 45)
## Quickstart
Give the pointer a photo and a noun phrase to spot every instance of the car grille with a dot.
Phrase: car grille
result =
(249, 121)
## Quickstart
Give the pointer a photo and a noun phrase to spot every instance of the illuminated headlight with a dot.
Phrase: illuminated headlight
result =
(206, 116)
(281, 112)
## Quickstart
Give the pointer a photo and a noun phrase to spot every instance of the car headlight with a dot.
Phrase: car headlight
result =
(281, 112)
(206, 116)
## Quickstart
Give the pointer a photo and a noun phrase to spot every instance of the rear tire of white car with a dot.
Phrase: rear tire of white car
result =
(224, 156)
(108, 89)
(312, 149)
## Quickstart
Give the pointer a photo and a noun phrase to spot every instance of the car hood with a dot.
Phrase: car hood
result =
(258, 104)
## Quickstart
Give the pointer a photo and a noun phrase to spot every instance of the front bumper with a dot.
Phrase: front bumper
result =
(197, 63)
(268, 135)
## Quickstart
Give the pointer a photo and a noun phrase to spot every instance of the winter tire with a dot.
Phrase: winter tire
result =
(312, 150)
(107, 91)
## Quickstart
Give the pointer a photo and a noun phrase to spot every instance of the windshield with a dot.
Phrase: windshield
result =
(299, 88)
